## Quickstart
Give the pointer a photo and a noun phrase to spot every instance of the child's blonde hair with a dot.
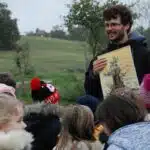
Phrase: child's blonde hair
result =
(8, 104)
(77, 124)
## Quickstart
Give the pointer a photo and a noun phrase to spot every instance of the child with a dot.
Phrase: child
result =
(7, 89)
(123, 118)
(92, 102)
(145, 90)
(45, 126)
(43, 91)
(12, 133)
(77, 130)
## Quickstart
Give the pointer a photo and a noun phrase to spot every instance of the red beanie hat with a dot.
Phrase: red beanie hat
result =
(35, 84)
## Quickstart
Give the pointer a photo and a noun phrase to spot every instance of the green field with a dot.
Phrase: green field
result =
(52, 59)
(48, 55)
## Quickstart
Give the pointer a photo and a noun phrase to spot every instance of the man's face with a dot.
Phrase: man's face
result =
(115, 30)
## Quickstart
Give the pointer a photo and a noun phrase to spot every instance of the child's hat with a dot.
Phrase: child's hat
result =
(35, 83)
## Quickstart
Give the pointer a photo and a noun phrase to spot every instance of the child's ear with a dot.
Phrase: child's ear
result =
(127, 27)
(17, 110)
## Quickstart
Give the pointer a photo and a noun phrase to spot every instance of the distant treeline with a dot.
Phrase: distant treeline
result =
(77, 33)
(9, 32)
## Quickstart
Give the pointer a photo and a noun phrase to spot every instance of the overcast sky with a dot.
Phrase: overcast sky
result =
(43, 14)
(32, 14)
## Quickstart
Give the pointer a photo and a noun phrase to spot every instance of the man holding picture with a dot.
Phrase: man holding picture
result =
(118, 23)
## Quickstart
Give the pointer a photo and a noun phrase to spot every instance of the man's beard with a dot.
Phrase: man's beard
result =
(119, 38)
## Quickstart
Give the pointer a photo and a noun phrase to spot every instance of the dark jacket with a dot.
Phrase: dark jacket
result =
(44, 127)
(141, 57)
(89, 101)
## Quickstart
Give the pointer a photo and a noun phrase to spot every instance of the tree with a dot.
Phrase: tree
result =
(22, 59)
(77, 33)
(116, 73)
(30, 33)
(143, 9)
(58, 32)
(89, 15)
(145, 32)
(8, 28)
(42, 33)
(23, 64)
(147, 35)
(140, 30)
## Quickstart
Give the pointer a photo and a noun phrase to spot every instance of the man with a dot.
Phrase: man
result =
(118, 22)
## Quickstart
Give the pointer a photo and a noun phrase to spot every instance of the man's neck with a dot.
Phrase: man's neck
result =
(124, 40)
(117, 44)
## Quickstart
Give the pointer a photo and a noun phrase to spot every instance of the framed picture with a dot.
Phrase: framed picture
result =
(119, 71)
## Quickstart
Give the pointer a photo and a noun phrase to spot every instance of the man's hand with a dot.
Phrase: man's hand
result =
(99, 65)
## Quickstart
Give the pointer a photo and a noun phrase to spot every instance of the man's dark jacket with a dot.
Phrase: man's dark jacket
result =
(141, 57)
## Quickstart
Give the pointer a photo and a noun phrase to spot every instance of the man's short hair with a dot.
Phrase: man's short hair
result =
(6, 78)
(119, 10)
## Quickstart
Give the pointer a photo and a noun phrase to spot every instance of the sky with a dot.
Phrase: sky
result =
(42, 14)
(32, 14)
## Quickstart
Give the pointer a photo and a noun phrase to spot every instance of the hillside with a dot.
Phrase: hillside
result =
(60, 61)
(48, 55)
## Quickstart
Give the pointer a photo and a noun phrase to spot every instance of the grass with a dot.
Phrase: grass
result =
(48, 55)
(52, 59)
(52, 55)
(70, 86)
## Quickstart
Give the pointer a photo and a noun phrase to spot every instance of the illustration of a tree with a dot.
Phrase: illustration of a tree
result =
(117, 74)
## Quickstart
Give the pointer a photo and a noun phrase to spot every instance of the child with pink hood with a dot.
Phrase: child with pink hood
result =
(7, 89)
(145, 90)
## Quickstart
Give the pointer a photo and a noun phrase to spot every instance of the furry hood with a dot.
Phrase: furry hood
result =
(45, 109)
(15, 140)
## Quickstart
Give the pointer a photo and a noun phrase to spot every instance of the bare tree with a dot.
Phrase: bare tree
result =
(116, 73)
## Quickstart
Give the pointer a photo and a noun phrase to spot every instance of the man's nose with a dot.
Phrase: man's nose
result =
(109, 27)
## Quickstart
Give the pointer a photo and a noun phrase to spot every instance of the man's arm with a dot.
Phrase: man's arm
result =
(92, 82)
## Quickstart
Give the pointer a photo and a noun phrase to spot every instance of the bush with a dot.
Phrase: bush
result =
(72, 90)
(70, 86)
